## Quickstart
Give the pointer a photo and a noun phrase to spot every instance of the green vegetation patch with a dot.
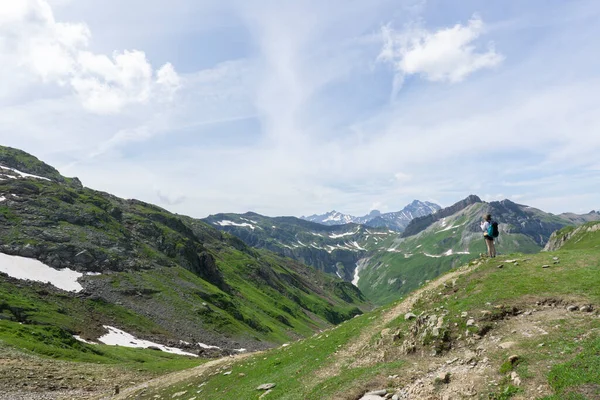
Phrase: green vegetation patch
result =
(578, 378)
(57, 343)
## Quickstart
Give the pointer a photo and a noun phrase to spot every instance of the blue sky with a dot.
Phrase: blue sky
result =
(300, 107)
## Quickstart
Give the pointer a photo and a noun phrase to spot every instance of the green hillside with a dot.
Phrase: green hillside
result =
(149, 272)
(522, 326)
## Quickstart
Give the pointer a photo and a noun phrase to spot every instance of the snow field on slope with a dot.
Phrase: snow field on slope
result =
(31, 269)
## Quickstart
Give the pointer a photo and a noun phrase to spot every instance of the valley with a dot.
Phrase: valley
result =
(102, 296)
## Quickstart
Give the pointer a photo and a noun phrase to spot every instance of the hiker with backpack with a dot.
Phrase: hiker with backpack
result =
(490, 232)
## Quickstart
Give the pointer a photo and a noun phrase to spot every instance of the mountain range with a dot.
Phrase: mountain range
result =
(386, 264)
(396, 221)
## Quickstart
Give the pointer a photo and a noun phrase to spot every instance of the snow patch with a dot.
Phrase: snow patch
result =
(83, 340)
(360, 265)
(355, 244)
(431, 255)
(231, 223)
(207, 346)
(334, 236)
(24, 174)
(117, 337)
(450, 227)
(31, 269)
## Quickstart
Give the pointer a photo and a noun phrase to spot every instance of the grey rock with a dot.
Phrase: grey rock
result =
(443, 377)
(84, 257)
(409, 316)
(545, 266)
(266, 386)
(380, 392)
(572, 308)
(265, 394)
(586, 308)
(471, 322)
(371, 397)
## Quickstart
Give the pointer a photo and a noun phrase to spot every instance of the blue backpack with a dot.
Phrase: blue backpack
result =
(492, 230)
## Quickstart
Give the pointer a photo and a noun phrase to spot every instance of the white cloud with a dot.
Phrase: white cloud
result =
(56, 53)
(446, 55)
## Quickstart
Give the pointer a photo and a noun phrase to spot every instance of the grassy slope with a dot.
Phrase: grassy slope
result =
(568, 362)
(38, 322)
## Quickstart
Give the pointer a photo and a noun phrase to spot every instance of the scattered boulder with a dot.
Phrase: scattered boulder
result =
(471, 322)
(572, 308)
(506, 345)
(514, 377)
(265, 394)
(443, 377)
(266, 386)
(409, 316)
(586, 308)
(513, 359)
(380, 392)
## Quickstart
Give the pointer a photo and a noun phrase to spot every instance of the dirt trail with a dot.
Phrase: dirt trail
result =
(349, 353)
(175, 377)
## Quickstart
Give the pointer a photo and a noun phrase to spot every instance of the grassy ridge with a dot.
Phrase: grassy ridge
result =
(567, 361)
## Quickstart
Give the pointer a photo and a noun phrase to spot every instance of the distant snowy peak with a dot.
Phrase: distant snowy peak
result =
(396, 221)
(331, 218)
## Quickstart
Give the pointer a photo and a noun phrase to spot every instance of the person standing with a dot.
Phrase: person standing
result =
(489, 239)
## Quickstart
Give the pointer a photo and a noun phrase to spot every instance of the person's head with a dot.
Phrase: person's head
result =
(488, 217)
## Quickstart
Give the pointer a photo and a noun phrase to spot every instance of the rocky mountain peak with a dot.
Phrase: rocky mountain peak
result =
(374, 213)
(421, 223)
(18, 164)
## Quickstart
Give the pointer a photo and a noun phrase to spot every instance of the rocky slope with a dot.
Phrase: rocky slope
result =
(147, 271)
(572, 237)
(396, 221)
